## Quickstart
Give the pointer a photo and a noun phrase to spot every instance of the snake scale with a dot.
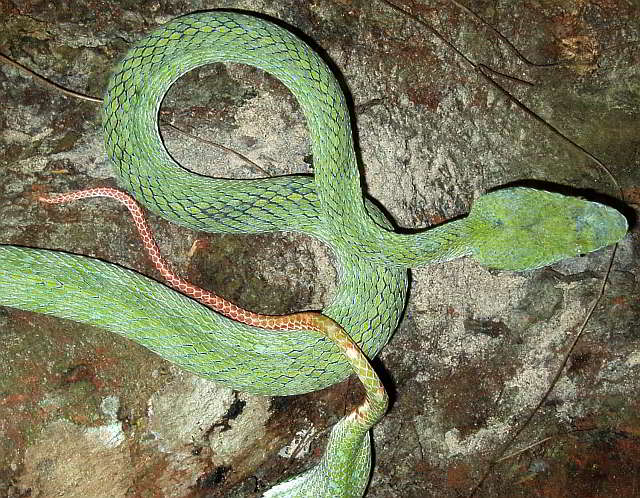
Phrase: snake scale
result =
(511, 229)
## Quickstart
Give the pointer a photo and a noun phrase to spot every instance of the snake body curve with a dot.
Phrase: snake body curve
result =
(311, 205)
(511, 229)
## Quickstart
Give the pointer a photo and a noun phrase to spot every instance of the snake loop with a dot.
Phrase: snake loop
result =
(514, 229)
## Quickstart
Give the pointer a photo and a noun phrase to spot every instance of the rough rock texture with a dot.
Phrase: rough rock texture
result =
(84, 413)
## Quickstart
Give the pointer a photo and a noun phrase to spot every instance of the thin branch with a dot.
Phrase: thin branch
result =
(483, 70)
(507, 42)
(219, 146)
(46, 82)
(553, 383)
(485, 73)
(70, 93)
(506, 76)
(525, 449)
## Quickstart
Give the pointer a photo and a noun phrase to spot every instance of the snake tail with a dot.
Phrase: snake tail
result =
(217, 303)
(346, 464)
(344, 469)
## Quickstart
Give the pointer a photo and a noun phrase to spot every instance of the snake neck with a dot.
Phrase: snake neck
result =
(380, 245)
(437, 244)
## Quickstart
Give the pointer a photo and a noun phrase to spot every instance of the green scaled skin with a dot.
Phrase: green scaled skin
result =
(513, 229)
(522, 229)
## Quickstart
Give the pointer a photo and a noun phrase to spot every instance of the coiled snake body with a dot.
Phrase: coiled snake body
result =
(512, 229)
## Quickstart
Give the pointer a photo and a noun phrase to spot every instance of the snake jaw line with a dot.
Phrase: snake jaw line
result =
(523, 229)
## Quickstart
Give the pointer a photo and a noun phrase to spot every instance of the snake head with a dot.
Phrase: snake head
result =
(522, 228)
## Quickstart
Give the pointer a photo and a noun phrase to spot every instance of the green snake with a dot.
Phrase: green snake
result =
(511, 229)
